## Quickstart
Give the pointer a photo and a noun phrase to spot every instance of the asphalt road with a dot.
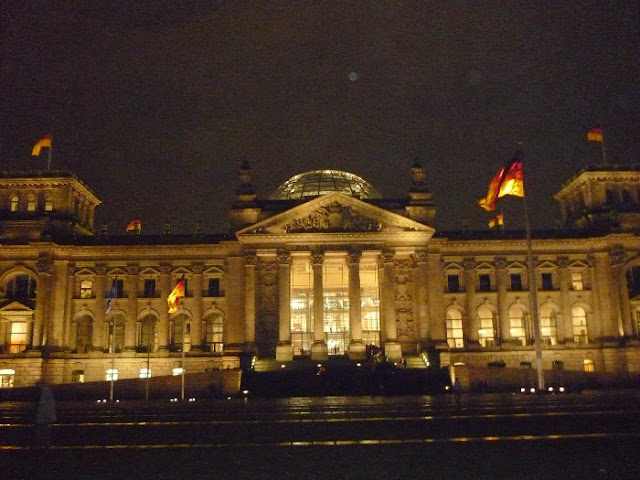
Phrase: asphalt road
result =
(586, 435)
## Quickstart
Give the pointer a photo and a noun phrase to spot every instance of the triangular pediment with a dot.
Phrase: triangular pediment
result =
(15, 307)
(335, 213)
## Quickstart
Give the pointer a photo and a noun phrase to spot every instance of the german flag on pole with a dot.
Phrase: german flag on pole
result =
(176, 294)
(508, 181)
(44, 142)
(134, 226)
(595, 134)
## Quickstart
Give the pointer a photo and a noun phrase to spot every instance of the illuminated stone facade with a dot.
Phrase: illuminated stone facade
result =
(309, 277)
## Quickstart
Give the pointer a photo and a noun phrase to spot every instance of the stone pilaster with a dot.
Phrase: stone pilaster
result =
(101, 290)
(133, 272)
(388, 308)
(284, 348)
(196, 306)
(356, 345)
(165, 289)
(250, 261)
(470, 321)
(44, 267)
(319, 349)
(565, 330)
(503, 282)
(421, 295)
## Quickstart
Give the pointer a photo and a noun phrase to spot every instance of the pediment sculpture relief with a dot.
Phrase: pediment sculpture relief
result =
(334, 218)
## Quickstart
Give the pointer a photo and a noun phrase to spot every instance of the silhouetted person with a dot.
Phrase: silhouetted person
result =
(45, 415)
(457, 389)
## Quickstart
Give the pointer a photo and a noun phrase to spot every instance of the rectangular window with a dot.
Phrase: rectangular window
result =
(18, 337)
(119, 287)
(484, 282)
(547, 281)
(370, 302)
(453, 283)
(149, 288)
(576, 281)
(455, 337)
(6, 377)
(214, 287)
(301, 291)
(335, 292)
(77, 376)
(86, 288)
(516, 282)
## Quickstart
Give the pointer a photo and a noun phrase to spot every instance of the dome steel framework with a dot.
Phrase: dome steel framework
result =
(321, 182)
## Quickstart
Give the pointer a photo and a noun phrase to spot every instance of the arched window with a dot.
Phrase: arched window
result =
(84, 334)
(486, 335)
(48, 203)
(455, 337)
(120, 322)
(214, 333)
(548, 327)
(146, 334)
(179, 332)
(14, 203)
(21, 287)
(516, 325)
(579, 325)
(31, 203)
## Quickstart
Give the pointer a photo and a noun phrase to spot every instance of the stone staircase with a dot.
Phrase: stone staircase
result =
(414, 362)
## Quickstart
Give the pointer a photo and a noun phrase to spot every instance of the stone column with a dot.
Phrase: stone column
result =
(470, 320)
(101, 290)
(421, 295)
(388, 306)
(319, 349)
(356, 345)
(250, 261)
(131, 288)
(564, 327)
(44, 267)
(284, 348)
(502, 284)
(618, 267)
(165, 290)
(607, 298)
(593, 328)
(57, 306)
(435, 286)
(196, 307)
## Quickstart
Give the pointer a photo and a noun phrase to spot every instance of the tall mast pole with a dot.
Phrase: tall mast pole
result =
(533, 295)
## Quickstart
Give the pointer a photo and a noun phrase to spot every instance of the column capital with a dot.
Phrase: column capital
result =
(500, 262)
(562, 261)
(420, 256)
(283, 257)
(317, 258)
(133, 269)
(387, 256)
(197, 267)
(617, 255)
(44, 263)
(165, 268)
(469, 263)
(353, 257)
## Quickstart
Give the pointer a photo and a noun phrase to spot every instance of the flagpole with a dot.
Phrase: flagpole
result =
(113, 355)
(49, 156)
(184, 334)
(533, 296)
(604, 154)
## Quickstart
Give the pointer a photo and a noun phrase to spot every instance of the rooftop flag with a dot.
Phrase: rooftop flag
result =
(176, 294)
(44, 142)
(134, 226)
(595, 134)
(508, 181)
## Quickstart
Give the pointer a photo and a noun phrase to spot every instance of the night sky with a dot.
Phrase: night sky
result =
(154, 105)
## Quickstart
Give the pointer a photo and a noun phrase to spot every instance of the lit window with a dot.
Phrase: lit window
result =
(516, 325)
(548, 329)
(588, 365)
(86, 288)
(6, 377)
(485, 332)
(48, 203)
(112, 374)
(18, 337)
(454, 329)
(31, 203)
(576, 281)
(14, 203)
(214, 330)
(579, 325)
(77, 376)
(174, 371)
(145, 373)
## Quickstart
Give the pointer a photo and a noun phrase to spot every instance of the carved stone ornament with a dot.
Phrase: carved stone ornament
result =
(353, 258)
(100, 269)
(197, 268)
(334, 218)
(562, 261)
(133, 269)
(44, 264)
(500, 262)
(283, 258)
(165, 269)
(250, 258)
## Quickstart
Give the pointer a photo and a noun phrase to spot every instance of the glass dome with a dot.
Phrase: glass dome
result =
(321, 182)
